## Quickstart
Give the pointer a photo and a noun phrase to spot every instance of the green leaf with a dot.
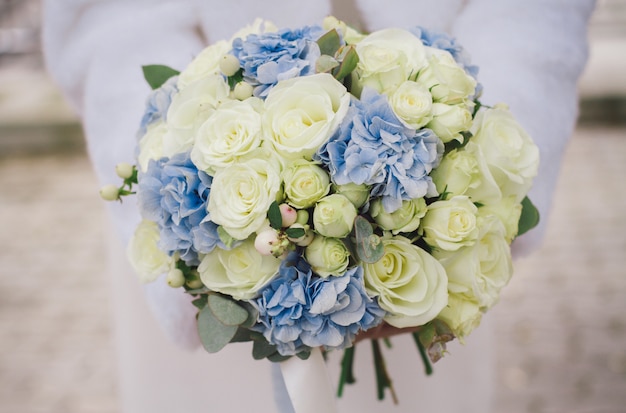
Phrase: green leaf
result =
(200, 303)
(225, 237)
(295, 232)
(349, 59)
(226, 310)
(262, 349)
(277, 357)
(213, 334)
(325, 64)
(156, 75)
(236, 78)
(369, 247)
(276, 219)
(529, 218)
(329, 43)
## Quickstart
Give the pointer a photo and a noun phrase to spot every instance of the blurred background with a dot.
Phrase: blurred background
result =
(561, 322)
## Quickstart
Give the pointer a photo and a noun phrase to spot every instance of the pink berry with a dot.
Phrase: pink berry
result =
(265, 241)
(288, 214)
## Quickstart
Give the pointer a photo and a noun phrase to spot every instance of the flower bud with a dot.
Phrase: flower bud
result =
(306, 240)
(266, 241)
(357, 194)
(194, 281)
(110, 192)
(305, 183)
(243, 91)
(303, 217)
(175, 278)
(124, 170)
(229, 65)
(334, 216)
(288, 214)
(327, 256)
(405, 219)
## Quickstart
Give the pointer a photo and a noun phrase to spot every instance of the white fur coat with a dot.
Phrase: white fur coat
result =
(530, 55)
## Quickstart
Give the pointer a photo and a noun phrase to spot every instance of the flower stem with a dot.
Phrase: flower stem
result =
(347, 375)
(382, 377)
(427, 366)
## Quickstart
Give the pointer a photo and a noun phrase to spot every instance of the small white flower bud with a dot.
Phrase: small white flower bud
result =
(242, 91)
(124, 170)
(110, 192)
(175, 278)
(288, 214)
(229, 65)
(306, 240)
(303, 217)
(265, 241)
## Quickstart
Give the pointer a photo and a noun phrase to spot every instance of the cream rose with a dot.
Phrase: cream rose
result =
(508, 210)
(189, 109)
(446, 80)
(480, 271)
(334, 216)
(327, 256)
(448, 121)
(148, 261)
(407, 218)
(302, 113)
(242, 193)
(387, 58)
(240, 272)
(462, 315)
(358, 194)
(151, 144)
(410, 284)
(511, 154)
(465, 172)
(450, 224)
(205, 64)
(305, 183)
(233, 130)
(412, 103)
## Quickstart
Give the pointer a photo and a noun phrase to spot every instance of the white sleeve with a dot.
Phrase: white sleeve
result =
(95, 50)
(531, 55)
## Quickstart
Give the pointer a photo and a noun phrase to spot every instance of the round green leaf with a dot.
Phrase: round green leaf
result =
(213, 334)
(226, 310)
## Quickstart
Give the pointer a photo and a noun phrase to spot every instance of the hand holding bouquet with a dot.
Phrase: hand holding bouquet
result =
(307, 185)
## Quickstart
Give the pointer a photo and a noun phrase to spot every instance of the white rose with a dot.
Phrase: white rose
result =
(302, 113)
(242, 193)
(480, 271)
(508, 210)
(465, 172)
(511, 154)
(240, 272)
(412, 103)
(448, 121)
(189, 109)
(305, 183)
(446, 80)
(143, 252)
(207, 63)
(407, 218)
(151, 144)
(450, 224)
(462, 315)
(233, 130)
(387, 58)
(411, 285)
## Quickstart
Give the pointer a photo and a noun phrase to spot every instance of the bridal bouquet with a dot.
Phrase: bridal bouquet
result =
(306, 185)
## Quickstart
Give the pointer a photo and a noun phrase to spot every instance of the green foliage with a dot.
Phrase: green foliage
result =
(213, 334)
(369, 247)
(349, 59)
(219, 321)
(236, 78)
(273, 214)
(529, 218)
(156, 75)
(329, 43)
(295, 232)
(226, 310)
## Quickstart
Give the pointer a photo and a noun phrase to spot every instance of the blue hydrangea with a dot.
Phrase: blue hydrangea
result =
(157, 104)
(268, 58)
(375, 148)
(443, 41)
(174, 194)
(300, 310)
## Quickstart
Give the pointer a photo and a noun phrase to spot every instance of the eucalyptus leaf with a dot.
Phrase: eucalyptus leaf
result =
(369, 246)
(200, 303)
(226, 310)
(156, 75)
(529, 218)
(213, 334)
(329, 43)
(325, 64)
(349, 60)
(273, 214)
(277, 357)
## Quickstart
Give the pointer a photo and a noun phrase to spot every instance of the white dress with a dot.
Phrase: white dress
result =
(530, 55)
